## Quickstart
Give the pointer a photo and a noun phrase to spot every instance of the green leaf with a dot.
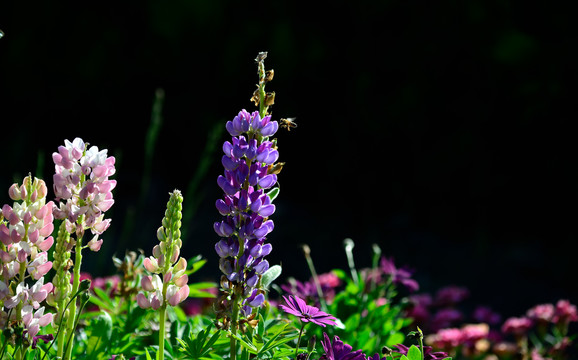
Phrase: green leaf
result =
(247, 345)
(413, 353)
(353, 321)
(273, 193)
(270, 275)
(102, 295)
(271, 343)
(148, 355)
(395, 338)
(196, 290)
(99, 335)
(194, 264)
(283, 353)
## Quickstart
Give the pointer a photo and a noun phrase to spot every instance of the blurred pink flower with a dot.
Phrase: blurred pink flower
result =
(451, 295)
(485, 314)
(565, 312)
(445, 318)
(517, 326)
(542, 312)
(445, 339)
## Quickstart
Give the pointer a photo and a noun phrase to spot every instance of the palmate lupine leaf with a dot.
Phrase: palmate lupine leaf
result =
(99, 335)
(199, 347)
(277, 340)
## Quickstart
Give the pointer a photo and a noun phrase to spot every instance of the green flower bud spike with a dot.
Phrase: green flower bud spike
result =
(168, 284)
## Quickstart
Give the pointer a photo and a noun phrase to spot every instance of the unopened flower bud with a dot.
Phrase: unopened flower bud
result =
(14, 192)
(161, 236)
(180, 266)
(175, 255)
(151, 265)
(23, 192)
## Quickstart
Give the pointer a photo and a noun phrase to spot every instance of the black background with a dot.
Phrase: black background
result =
(441, 131)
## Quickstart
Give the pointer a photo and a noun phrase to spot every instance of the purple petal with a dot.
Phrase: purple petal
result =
(267, 181)
(228, 163)
(270, 129)
(267, 210)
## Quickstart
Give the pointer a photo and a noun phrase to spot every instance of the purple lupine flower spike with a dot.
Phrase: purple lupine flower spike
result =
(246, 207)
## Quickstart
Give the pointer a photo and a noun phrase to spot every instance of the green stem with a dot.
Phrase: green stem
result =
(420, 342)
(59, 335)
(299, 339)
(349, 244)
(234, 320)
(162, 317)
(307, 252)
(72, 312)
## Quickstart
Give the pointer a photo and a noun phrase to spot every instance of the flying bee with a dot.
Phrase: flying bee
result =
(288, 123)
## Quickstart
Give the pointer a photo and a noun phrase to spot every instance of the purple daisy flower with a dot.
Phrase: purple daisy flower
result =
(306, 313)
(339, 350)
(399, 275)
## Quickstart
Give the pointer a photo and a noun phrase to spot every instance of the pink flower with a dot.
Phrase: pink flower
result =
(565, 312)
(543, 312)
(517, 326)
(446, 338)
(474, 332)
(82, 186)
(34, 320)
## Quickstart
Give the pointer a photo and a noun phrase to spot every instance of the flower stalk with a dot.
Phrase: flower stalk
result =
(248, 184)
(84, 193)
(165, 263)
(25, 230)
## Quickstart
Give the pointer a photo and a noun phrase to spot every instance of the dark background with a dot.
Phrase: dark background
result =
(442, 132)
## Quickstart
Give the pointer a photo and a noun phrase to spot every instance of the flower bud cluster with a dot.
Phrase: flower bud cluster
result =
(246, 206)
(168, 284)
(83, 188)
(25, 235)
(62, 264)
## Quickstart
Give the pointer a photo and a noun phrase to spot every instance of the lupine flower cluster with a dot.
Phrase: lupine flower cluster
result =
(248, 161)
(172, 289)
(25, 230)
(83, 188)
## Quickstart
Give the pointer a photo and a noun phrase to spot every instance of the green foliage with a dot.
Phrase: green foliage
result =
(200, 346)
(272, 338)
(99, 334)
(370, 312)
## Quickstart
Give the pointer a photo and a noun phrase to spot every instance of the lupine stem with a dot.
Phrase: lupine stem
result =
(75, 284)
(234, 319)
(162, 319)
